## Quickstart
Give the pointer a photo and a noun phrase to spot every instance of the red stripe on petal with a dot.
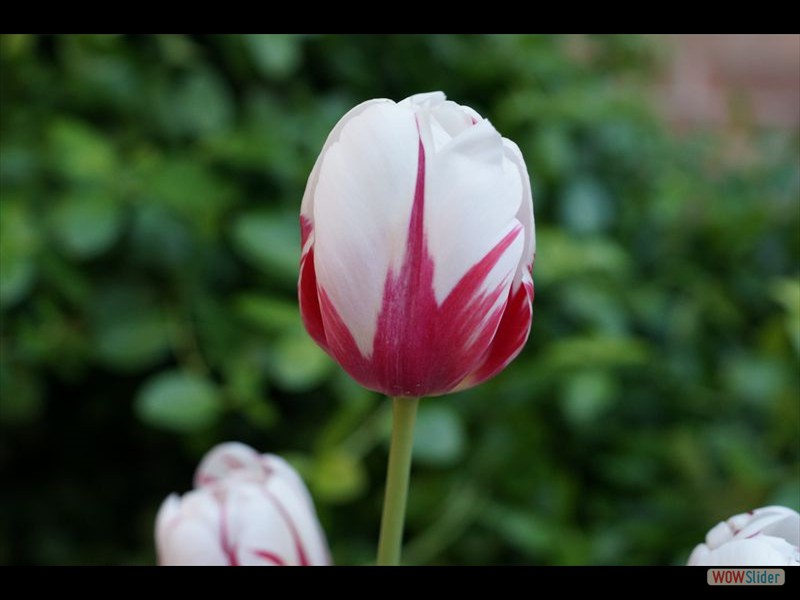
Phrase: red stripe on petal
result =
(270, 557)
(204, 480)
(421, 348)
(310, 301)
(228, 548)
(510, 337)
(305, 230)
(302, 555)
(232, 462)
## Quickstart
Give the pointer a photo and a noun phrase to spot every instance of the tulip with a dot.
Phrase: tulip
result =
(417, 247)
(246, 509)
(768, 536)
(417, 258)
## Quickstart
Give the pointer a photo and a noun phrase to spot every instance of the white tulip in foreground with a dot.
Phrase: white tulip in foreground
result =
(246, 509)
(767, 536)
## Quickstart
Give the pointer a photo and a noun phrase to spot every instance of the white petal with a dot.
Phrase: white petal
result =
(257, 531)
(307, 205)
(446, 121)
(790, 552)
(698, 555)
(472, 196)
(298, 504)
(454, 118)
(774, 510)
(191, 536)
(362, 207)
(719, 534)
(743, 553)
(167, 514)
(224, 458)
(272, 525)
(777, 521)
(426, 100)
(525, 212)
(278, 467)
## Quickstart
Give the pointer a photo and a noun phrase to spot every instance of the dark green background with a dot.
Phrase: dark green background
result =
(149, 248)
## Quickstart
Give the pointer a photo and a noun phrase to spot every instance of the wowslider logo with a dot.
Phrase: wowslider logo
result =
(746, 577)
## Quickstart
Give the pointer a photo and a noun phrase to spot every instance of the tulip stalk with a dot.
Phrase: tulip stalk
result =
(394, 503)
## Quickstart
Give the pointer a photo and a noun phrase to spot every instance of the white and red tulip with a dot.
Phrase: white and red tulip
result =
(246, 509)
(768, 536)
(418, 245)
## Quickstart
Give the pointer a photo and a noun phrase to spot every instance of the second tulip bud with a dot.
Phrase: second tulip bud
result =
(246, 509)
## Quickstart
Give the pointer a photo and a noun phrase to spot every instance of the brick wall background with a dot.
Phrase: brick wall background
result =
(722, 80)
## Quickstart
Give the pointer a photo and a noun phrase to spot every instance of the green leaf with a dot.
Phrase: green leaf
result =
(560, 257)
(275, 55)
(787, 293)
(553, 152)
(598, 351)
(298, 364)
(18, 246)
(82, 154)
(128, 328)
(787, 494)
(180, 402)
(270, 241)
(268, 314)
(587, 395)
(159, 238)
(201, 104)
(188, 189)
(586, 206)
(439, 438)
(18, 164)
(337, 477)
(757, 379)
(86, 223)
(529, 533)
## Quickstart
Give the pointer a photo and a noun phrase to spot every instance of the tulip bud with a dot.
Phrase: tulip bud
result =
(246, 509)
(768, 536)
(418, 244)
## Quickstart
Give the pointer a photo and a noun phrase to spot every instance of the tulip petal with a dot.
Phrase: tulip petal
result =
(224, 459)
(307, 286)
(525, 212)
(719, 534)
(286, 483)
(308, 296)
(512, 333)
(698, 555)
(273, 525)
(307, 535)
(472, 197)
(167, 514)
(743, 553)
(193, 536)
(278, 469)
(423, 347)
(783, 523)
(361, 211)
(257, 531)
(307, 205)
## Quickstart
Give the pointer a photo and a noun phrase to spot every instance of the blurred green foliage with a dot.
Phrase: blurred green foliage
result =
(149, 248)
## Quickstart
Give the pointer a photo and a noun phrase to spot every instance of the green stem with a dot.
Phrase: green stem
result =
(394, 503)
